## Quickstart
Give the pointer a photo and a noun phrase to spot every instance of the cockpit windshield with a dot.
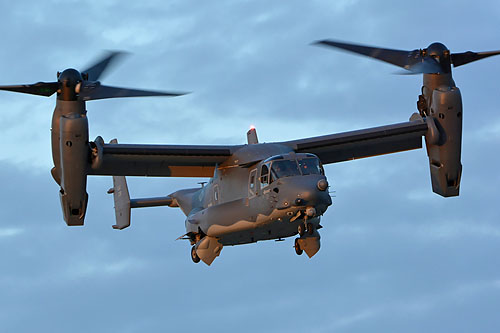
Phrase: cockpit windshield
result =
(279, 166)
(310, 166)
(284, 168)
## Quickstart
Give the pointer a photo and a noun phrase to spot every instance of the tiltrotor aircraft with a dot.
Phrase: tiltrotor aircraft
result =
(257, 191)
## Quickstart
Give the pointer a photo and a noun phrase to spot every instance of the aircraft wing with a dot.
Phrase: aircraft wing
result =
(374, 141)
(115, 159)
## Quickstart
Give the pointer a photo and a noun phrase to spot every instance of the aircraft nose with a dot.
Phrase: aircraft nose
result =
(312, 196)
(305, 192)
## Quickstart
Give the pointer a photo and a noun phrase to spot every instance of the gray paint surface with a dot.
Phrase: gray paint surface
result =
(378, 269)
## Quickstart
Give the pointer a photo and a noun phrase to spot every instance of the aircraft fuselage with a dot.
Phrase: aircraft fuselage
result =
(267, 199)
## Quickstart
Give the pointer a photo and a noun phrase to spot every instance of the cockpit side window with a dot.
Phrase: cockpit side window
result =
(264, 175)
(310, 166)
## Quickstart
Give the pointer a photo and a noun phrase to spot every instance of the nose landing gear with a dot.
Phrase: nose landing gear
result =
(309, 244)
(310, 228)
(304, 227)
(301, 229)
(308, 240)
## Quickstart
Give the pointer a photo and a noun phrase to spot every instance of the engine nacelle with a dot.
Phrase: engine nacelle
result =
(74, 161)
(444, 141)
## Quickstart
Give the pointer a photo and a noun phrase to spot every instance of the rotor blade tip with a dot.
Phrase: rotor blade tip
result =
(319, 42)
(118, 53)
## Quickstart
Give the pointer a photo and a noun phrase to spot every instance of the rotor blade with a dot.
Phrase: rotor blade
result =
(95, 90)
(459, 59)
(396, 57)
(39, 88)
(96, 71)
(412, 61)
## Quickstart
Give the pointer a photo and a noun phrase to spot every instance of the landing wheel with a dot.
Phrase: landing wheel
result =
(301, 229)
(298, 250)
(194, 256)
(310, 228)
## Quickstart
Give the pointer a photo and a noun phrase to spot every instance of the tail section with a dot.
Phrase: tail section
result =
(123, 203)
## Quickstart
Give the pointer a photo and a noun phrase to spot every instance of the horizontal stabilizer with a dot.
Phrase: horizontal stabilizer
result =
(123, 203)
(151, 202)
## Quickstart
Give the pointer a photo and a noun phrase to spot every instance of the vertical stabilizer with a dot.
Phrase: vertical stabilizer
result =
(121, 197)
(252, 136)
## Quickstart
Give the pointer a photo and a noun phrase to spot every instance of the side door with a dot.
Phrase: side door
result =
(252, 183)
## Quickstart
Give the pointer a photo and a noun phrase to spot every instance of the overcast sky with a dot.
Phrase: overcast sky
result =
(395, 257)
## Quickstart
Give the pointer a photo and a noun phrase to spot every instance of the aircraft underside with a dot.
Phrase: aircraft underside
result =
(276, 226)
(274, 230)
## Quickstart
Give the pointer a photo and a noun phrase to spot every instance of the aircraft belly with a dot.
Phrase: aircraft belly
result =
(273, 229)
(228, 217)
(234, 216)
(246, 220)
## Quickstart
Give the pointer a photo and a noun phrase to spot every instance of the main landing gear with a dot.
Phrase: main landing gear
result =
(194, 255)
(298, 250)
(206, 250)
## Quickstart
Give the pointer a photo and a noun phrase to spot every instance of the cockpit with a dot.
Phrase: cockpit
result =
(281, 166)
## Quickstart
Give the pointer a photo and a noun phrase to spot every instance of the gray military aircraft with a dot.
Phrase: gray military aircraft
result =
(257, 191)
